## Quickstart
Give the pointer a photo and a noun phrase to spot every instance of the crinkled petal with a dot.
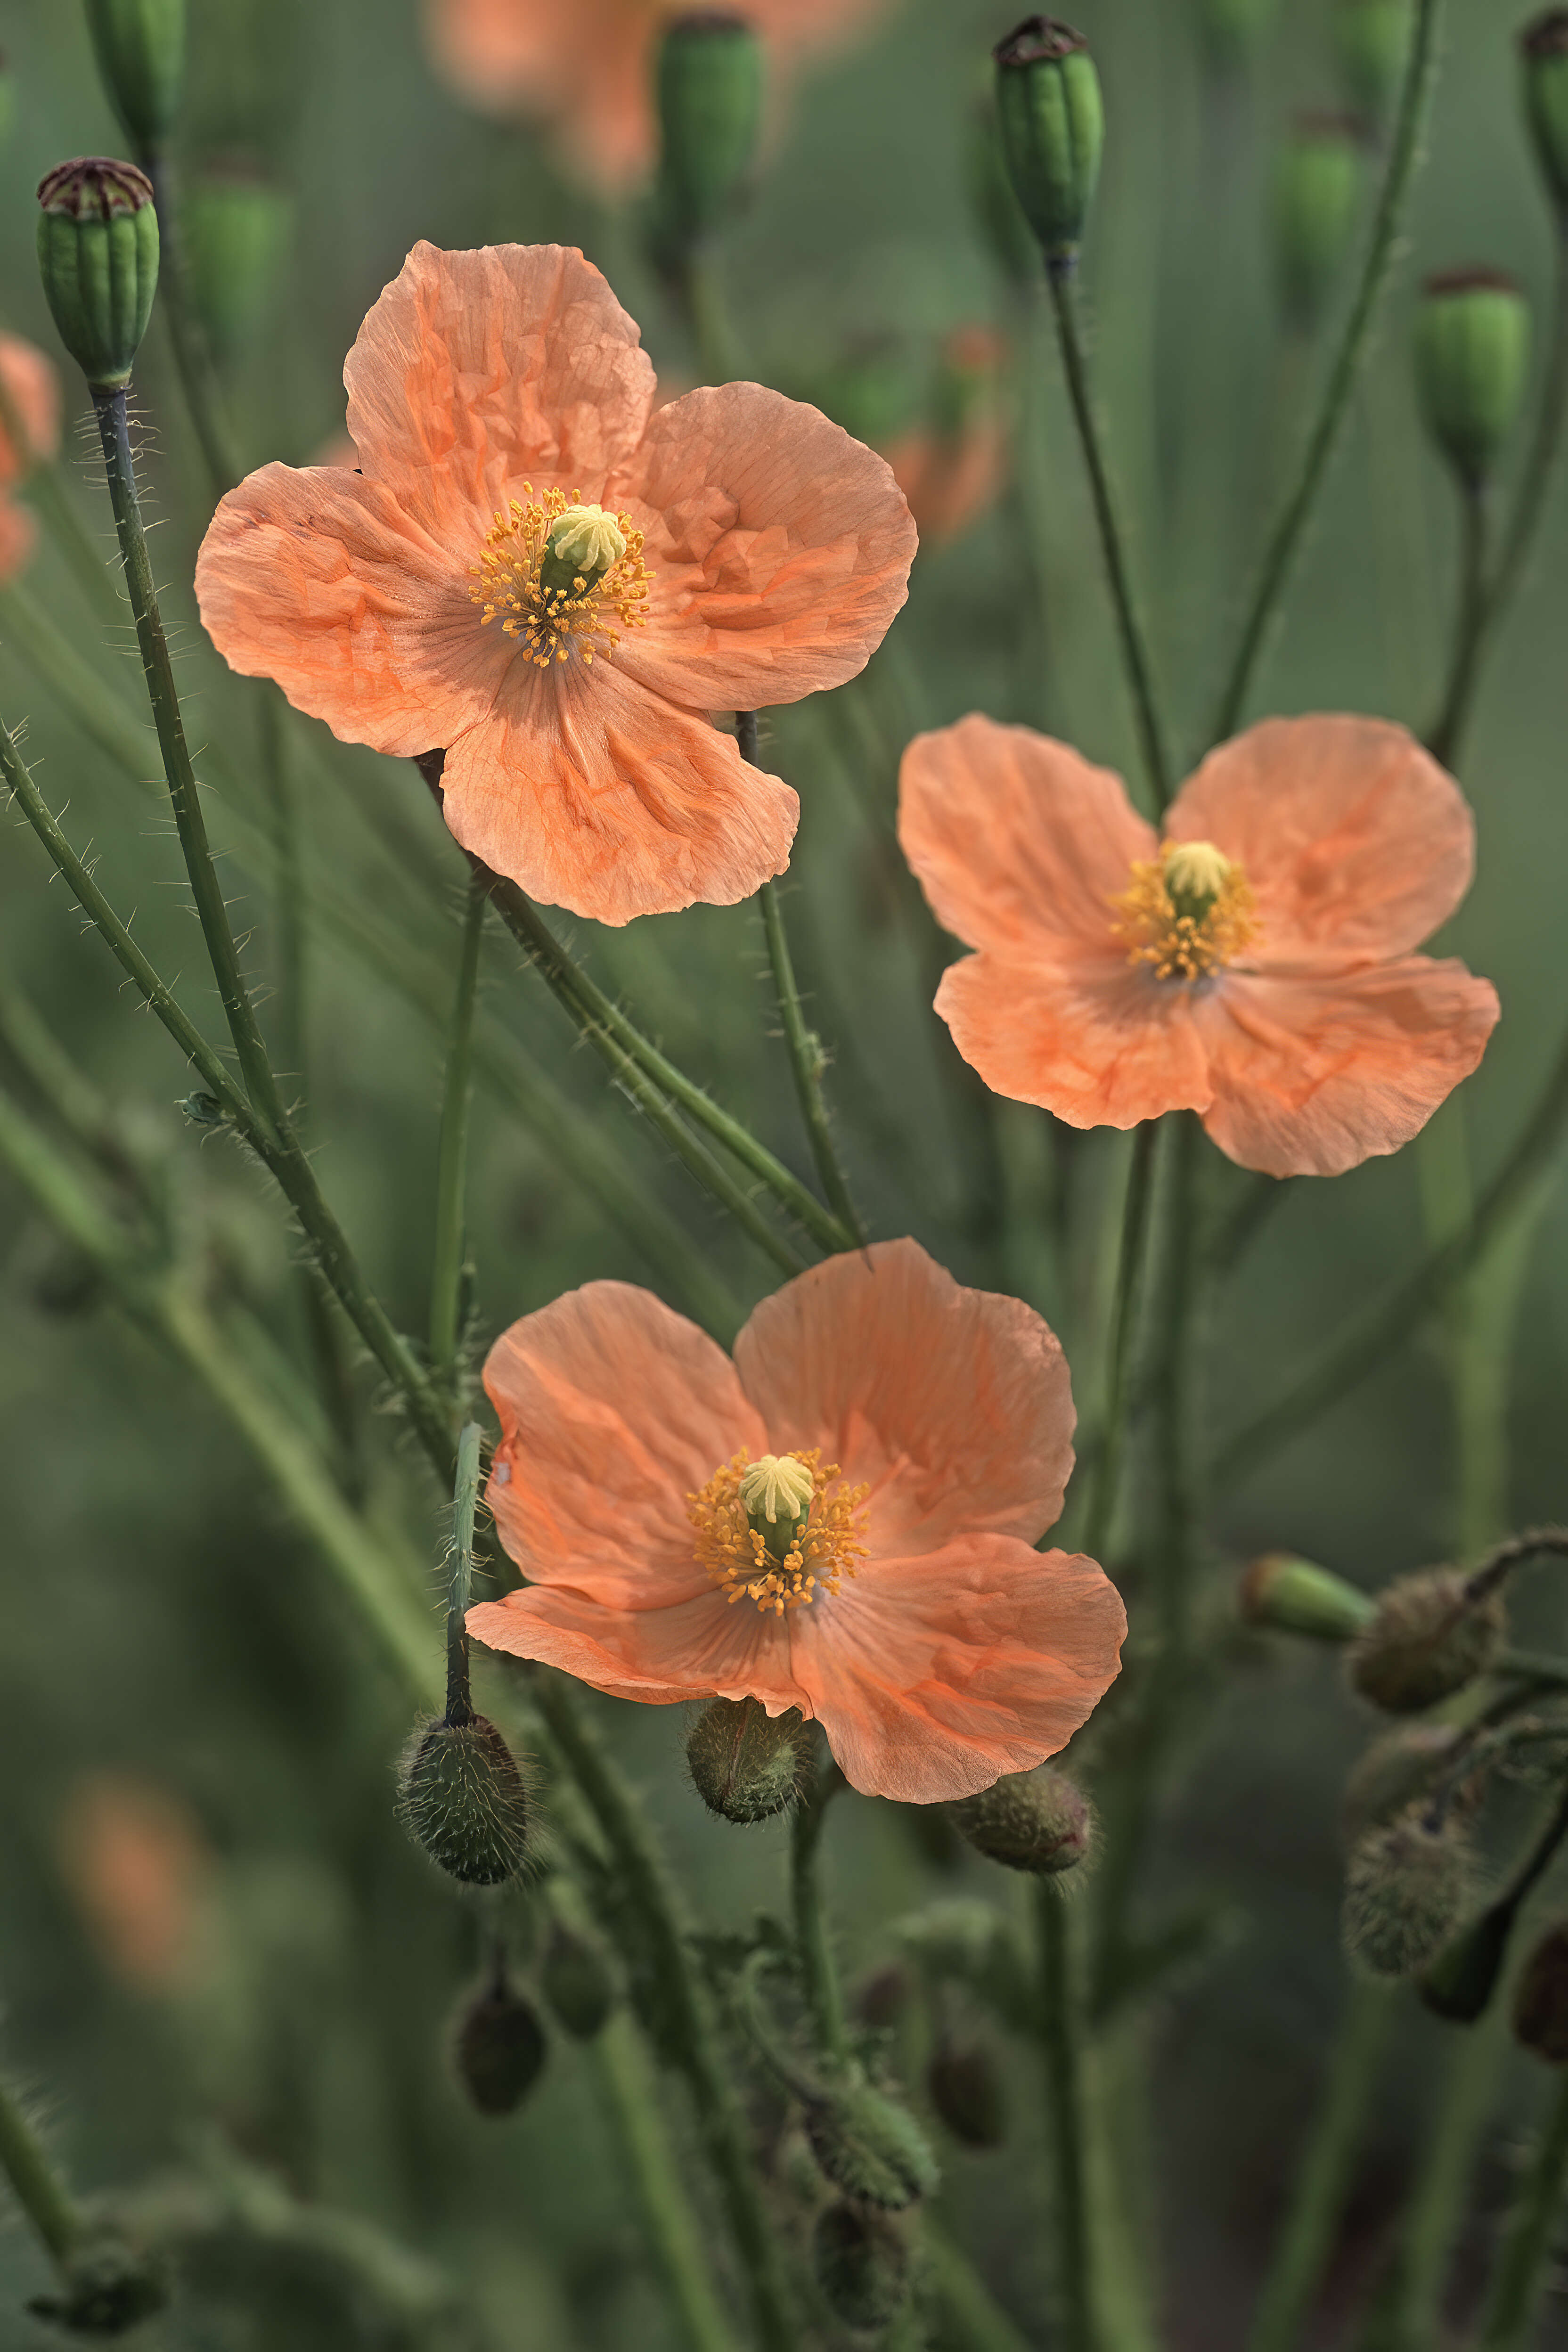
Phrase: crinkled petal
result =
(954, 1405)
(1101, 1042)
(701, 1648)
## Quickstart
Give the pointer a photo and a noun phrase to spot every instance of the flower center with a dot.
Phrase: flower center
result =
(772, 1531)
(558, 574)
(1187, 913)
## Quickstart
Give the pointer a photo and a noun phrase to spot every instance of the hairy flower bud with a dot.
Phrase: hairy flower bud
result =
(575, 1980)
(1543, 56)
(107, 2286)
(1405, 1886)
(966, 2087)
(861, 2265)
(1317, 193)
(140, 47)
(97, 256)
(237, 234)
(1039, 1822)
(465, 1801)
(709, 94)
(1296, 1596)
(1052, 117)
(1540, 1999)
(1428, 1637)
(870, 2148)
(499, 2048)
(1372, 46)
(1393, 1773)
(746, 1764)
(1472, 359)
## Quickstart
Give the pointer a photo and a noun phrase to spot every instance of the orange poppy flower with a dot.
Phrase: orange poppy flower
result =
(1257, 966)
(538, 574)
(135, 1859)
(586, 66)
(923, 1434)
(32, 398)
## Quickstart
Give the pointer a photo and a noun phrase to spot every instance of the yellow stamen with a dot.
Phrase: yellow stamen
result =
(825, 1544)
(1188, 913)
(524, 577)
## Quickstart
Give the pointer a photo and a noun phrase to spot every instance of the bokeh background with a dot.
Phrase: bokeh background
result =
(219, 1956)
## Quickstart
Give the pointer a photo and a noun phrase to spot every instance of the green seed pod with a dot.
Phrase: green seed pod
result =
(965, 2088)
(97, 254)
(1405, 1886)
(746, 1764)
(1233, 29)
(237, 236)
(1004, 231)
(1372, 47)
(869, 2147)
(140, 46)
(861, 2265)
(709, 87)
(576, 1983)
(1052, 119)
(1543, 56)
(1295, 1596)
(1540, 1999)
(1472, 359)
(108, 2288)
(1390, 1774)
(464, 1801)
(1427, 1638)
(499, 2048)
(1039, 1822)
(1317, 194)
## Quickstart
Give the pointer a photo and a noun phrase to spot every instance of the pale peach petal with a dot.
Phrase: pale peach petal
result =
(702, 1648)
(954, 1405)
(1315, 1071)
(33, 388)
(1018, 842)
(501, 54)
(1101, 1042)
(612, 1409)
(477, 370)
(594, 794)
(780, 549)
(18, 537)
(1356, 842)
(324, 582)
(933, 1676)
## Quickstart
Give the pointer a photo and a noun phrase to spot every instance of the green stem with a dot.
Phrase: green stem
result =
(1285, 2305)
(1061, 278)
(452, 1167)
(812, 1942)
(1402, 155)
(1409, 2314)
(288, 889)
(193, 362)
(807, 1062)
(696, 284)
(459, 1583)
(1520, 2279)
(1474, 615)
(975, 2321)
(37, 2186)
(1130, 1257)
(1063, 2036)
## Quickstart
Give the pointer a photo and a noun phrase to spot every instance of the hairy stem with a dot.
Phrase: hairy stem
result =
(1062, 2036)
(1471, 628)
(452, 1164)
(460, 1579)
(1132, 1253)
(812, 1938)
(807, 1062)
(36, 2185)
(1518, 2281)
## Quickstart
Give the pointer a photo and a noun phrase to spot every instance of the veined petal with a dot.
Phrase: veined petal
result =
(700, 1648)
(1101, 1043)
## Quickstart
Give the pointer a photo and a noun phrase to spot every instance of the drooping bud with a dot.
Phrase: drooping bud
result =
(1296, 1596)
(140, 46)
(746, 1764)
(1540, 1999)
(965, 2088)
(709, 86)
(1405, 1886)
(1232, 29)
(869, 2147)
(1372, 46)
(1391, 1774)
(997, 214)
(465, 1801)
(1461, 1980)
(1428, 1637)
(1472, 359)
(1543, 53)
(237, 236)
(97, 254)
(575, 1980)
(1039, 1822)
(861, 2265)
(499, 2047)
(108, 2287)
(1052, 117)
(1317, 193)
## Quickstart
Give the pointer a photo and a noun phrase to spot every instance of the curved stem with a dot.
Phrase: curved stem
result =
(1520, 2279)
(813, 1943)
(452, 1165)
(1402, 154)
(1061, 278)
(807, 1061)
(1474, 616)
(1133, 1252)
(37, 2186)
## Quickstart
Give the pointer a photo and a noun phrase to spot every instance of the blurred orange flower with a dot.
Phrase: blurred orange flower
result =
(31, 401)
(136, 1861)
(542, 575)
(586, 66)
(952, 468)
(1255, 966)
(924, 1433)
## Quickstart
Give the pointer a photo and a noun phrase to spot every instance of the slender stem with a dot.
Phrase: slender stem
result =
(288, 889)
(1285, 2305)
(1061, 278)
(812, 1942)
(459, 1583)
(1063, 2035)
(1404, 154)
(807, 1063)
(1474, 615)
(975, 2321)
(695, 281)
(452, 1167)
(1133, 1252)
(1408, 2317)
(193, 362)
(37, 2186)
(1520, 2279)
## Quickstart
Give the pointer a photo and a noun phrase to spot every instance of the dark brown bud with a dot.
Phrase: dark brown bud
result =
(965, 2084)
(1039, 1822)
(499, 2048)
(1430, 1636)
(1540, 1999)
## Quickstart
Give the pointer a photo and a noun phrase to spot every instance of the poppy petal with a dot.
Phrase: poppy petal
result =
(1099, 1044)
(704, 1647)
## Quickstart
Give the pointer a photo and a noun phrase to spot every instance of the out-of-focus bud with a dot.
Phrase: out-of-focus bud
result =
(747, 1765)
(965, 2088)
(1372, 46)
(499, 2048)
(1389, 1775)
(950, 469)
(1039, 1822)
(1429, 1636)
(1232, 29)
(1052, 119)
(1543, 53)
(869, 2147)
(7, 98)
(237, 236)
(1317, 191)
(465, 1801)
(575, 1980)
(882, 1998)
(97, 255)
(1295, 1596)
(108, 2287)
(997, 214)
(1540, 1999)
(709, 95)
(29, 408)
(1472, 359)
(1463, 1977)
(1405, 1886)
(861, 2265)
(140, 46)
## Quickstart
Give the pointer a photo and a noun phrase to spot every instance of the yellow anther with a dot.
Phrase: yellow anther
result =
(1186, 914)
(561, 575)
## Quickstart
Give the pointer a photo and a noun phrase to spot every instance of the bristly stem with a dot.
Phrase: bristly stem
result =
(1061, 278)
(1402, 154)
(37, 2186)
(1063, 2037)
(1133, 1251)
(459, 1582)
(1474, 615)
(452, 1168)
(1518, 2281)
(813, 1943)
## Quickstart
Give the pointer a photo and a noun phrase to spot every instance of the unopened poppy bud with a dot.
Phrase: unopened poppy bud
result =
(237, 236)
(1393, 1773)
(869, 2146)
(576, 1983)
(499, 2048)
(140, 46)
(465, 1801)
(882, 1998)
(746, 1764)
(1405, 1886)
(1472, 359)
(97, 255)
(1038, 1821)
(1543, 53)
(861, 2265)
(1372, 46)
(965, 2085)
(1430, 1634)
(108, 2287)
(1004, 232)
(1317, 191)
(1052, 119)
(709, 94)
(1295, 1596)
(1232, 29)
(1540, 1999)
